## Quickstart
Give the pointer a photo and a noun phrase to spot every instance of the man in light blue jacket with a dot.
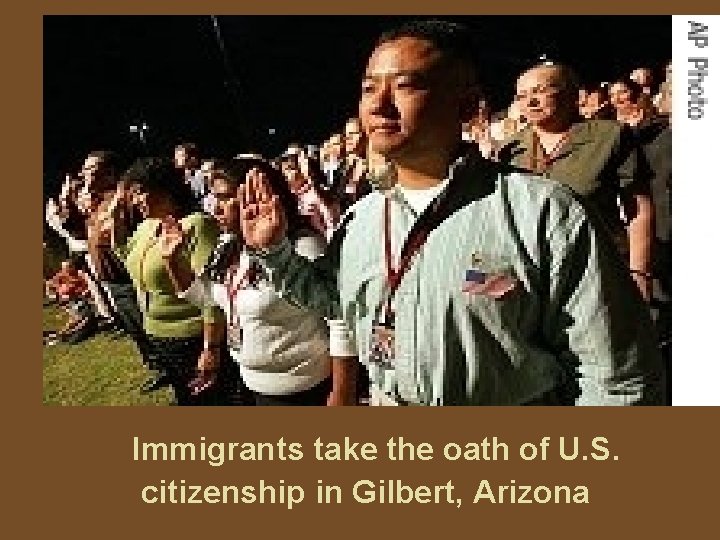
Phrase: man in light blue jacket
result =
(466, 283)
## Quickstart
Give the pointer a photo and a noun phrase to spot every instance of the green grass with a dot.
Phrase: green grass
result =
(98, 371)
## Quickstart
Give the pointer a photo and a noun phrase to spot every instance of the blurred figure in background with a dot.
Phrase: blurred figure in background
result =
(332, 158)
(477, 130)
(355, 140)
(663, 99)
(507, 124)
(657, 145)
(207, 168)
(643, 76)
(595, 102)
(69, 287)
(632, 106)
(186, 158)
(353, 183)
(303, 177)
(597, 158)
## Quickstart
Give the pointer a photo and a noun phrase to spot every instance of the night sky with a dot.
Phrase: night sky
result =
(298, 75)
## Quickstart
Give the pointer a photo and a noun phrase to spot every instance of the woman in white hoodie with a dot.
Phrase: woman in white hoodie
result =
(283, 350)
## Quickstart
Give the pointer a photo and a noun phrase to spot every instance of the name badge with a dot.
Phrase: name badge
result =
(382, 345)
(234, 336)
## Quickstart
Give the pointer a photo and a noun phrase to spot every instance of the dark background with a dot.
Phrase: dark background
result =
(299, 75)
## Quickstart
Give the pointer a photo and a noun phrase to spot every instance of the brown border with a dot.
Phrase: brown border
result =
(396, 7)
(70, 469)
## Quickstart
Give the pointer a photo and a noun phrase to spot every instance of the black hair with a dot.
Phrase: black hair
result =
(78, 261)
(190, 149)
(234, 172)
(453, 40)
(596, 87)
(109, 159)
(158, 175)
(635, 88)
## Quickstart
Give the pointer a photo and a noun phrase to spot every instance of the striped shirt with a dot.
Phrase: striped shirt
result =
(574, 325)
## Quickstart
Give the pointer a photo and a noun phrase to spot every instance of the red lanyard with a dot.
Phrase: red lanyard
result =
(415, 240)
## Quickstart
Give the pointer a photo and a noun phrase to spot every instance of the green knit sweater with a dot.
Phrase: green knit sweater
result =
(165, 314)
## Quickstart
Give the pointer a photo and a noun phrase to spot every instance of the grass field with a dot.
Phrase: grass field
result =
(99, 371)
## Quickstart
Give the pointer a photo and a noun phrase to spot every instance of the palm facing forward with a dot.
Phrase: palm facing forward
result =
(262, 215)
(172, 237)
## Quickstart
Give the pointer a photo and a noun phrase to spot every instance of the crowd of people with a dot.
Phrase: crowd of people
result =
(431, 252)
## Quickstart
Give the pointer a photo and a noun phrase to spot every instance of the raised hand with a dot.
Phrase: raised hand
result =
(262, 215)
(52, 214)
(304, 166)
(65, 188)
(172, 237)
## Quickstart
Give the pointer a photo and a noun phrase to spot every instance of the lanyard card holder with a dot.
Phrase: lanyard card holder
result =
(382, 339)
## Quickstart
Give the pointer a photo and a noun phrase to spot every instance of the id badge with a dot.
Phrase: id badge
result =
(382, 344)
(234, 336)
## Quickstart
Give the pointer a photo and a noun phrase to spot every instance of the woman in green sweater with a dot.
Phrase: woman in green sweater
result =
(186, 342)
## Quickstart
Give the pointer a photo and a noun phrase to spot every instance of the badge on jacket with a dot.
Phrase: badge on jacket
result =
(382, 340)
